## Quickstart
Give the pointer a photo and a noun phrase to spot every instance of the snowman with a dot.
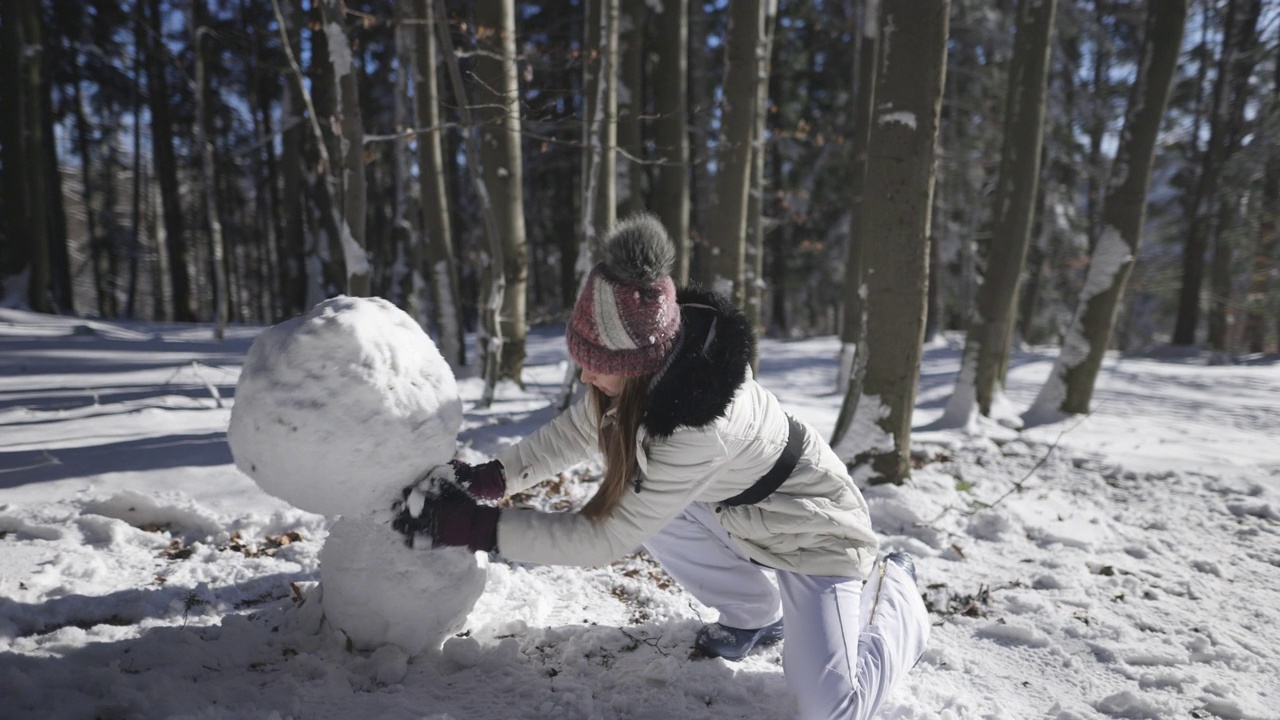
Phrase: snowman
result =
(336, 411)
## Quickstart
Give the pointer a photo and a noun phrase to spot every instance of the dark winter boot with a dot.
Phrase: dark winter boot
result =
(730, 643)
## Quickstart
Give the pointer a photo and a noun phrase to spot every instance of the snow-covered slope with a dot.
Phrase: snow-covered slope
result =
(1119, 565)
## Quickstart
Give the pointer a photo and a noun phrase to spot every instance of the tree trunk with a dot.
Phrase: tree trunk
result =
(896, 225)
(166, 166)
(293, 245)
(1201, 201)
(700, 111)
(852, 368)
(991, 327)
(1243, 61)
(671, 136)
(441, 264)
(491, 328)
(600, 123)
(1069, 388)
(15, 255)
(98, 249)
(351, 188)
(209, 178)
(35, 181)
(727, 235)
(135, 244)
(753, 270)
(1267, 251)
(631, 61)
(497, 98)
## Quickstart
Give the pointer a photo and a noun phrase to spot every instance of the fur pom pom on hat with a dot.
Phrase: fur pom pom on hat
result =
(626, 319)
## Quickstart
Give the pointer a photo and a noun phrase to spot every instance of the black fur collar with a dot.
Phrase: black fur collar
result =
(703, 375)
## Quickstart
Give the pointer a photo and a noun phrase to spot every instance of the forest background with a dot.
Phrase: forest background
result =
(1096, 174)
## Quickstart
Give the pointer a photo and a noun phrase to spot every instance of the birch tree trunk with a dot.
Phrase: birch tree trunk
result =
(980, 382)
(490, 326)
(727, 234)
(896, 224)
(852, 342)
(753, 270)
(600, 125)
(441, 263)
(497, 99)
(1069, 388)
(670, 105)
(350, 195)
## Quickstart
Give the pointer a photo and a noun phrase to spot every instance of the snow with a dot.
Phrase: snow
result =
(341, 407)
(1117, 565)
(377, 590)
(901, 117)
(1110, 257)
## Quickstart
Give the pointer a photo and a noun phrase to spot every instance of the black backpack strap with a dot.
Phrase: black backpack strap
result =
(781, 470)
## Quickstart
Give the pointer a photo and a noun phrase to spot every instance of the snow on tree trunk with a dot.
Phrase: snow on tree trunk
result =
(854, 291)
(1108, 266)
(1069, 388)
(991, 327)
(351, 142)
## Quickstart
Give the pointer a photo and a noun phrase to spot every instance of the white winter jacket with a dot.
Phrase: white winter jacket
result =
(711, 432)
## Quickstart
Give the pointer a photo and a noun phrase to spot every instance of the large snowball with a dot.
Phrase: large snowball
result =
(379, 592)
(338, 409)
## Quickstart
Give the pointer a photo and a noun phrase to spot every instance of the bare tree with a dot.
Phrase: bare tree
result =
(351, 182)
(733, 162)
(896, 223)
(671, 136)
(441, 263)
(986, 349)
(208, 170)
(852, 348)
(1069, 388)
(497, 98)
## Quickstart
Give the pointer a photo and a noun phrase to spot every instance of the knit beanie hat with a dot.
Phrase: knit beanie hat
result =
(626, 319)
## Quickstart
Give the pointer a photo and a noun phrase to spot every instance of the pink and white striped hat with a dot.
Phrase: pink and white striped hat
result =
(626, 319)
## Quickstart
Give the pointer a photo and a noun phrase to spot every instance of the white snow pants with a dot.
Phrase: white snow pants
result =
(846, 646)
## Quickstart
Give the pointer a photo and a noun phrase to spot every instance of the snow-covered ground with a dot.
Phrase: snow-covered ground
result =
(1125, 564)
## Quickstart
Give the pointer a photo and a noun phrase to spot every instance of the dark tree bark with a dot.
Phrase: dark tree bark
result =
(1202, 202)
(991, 327)
(631, 61)
(896, 225)
(182, 303)
(852, 351)
(671, 136)
(1242, 64)
(727, 235)
(208, 172)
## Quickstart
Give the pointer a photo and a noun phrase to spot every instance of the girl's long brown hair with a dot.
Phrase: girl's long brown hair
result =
(617, 443)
